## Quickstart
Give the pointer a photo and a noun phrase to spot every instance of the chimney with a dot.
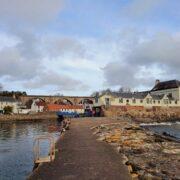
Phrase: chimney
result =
(157, 82)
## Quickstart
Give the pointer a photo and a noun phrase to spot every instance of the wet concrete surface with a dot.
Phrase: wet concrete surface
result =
(81, 156)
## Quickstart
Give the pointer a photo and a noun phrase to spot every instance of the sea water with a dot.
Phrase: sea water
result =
(16, 147)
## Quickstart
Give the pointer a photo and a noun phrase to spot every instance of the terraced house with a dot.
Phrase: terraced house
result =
(163, 94)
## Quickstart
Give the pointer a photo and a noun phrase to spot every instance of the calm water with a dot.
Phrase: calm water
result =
(16, 147)
(171, 129)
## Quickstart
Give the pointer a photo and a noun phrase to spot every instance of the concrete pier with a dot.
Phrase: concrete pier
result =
(81, 156)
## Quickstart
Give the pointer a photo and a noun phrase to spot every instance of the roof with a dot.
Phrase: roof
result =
(137, 95)
(57, 107)
(140, 95)
(129, 95)
(125, 95)
(40, 103)
(157, 97)
(7, 99)
(166, 85)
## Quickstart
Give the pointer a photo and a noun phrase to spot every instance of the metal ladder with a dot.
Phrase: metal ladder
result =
(36, 148)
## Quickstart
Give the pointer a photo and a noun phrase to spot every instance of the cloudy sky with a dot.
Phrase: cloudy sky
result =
(75, 47)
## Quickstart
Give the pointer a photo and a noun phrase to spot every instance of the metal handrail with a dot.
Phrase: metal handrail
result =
(36, 149)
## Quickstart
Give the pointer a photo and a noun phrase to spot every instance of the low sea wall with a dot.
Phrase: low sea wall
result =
(144, 115)
(28, 117)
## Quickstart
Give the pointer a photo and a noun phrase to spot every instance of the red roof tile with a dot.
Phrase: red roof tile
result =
(56, 107)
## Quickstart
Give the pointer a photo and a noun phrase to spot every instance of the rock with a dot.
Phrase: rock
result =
(113, 138)
(134, 176)
(130, 168)
(152, 164)
(137, 128)
(119, 149)
(172, 151)
(96, 132)
(138, 151)
(133, 143)
(134, 166)
(141, 173)
(101, 138)
(158, 139)
(124, 159)
(150, 177)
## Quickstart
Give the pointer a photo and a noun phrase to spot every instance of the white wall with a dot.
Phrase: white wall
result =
(14, 105)
(35, 108)
(148, 101)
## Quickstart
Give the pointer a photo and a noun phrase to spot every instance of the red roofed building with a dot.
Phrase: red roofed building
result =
(70, 108)
(38, 105)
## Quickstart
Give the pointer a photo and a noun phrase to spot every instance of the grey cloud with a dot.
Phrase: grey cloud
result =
(30, 11)
(25, 60)
(22, 60)
(15, 66)
(119, 74)
(20, 18)
(58, 81)
(161, 51)
(29, 44)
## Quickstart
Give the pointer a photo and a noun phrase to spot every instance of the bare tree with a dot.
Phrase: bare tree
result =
(124, 89)
(58, 94)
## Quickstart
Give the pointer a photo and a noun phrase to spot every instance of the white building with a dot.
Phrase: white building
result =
(37, 105)
(9, 101)
(164, 94)
(169, 88)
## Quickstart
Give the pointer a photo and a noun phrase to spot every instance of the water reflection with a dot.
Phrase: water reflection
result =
(16, 146)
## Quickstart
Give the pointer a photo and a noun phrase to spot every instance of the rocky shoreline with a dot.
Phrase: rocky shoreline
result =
(147, 155)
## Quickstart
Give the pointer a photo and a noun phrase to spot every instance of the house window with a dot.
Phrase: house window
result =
(107, 101)
(158, 102)
(134, 101)
(176, 102)
(169, 102)
(147, 100)
(127, 101)
(96, 100)
(141, 101)
(165, 101)
(121, 100)
(154, 101)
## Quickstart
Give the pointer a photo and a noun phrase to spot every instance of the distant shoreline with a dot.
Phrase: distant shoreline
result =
(27, 117)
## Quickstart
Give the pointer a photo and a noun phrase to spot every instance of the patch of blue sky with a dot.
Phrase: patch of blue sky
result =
(88, 18)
